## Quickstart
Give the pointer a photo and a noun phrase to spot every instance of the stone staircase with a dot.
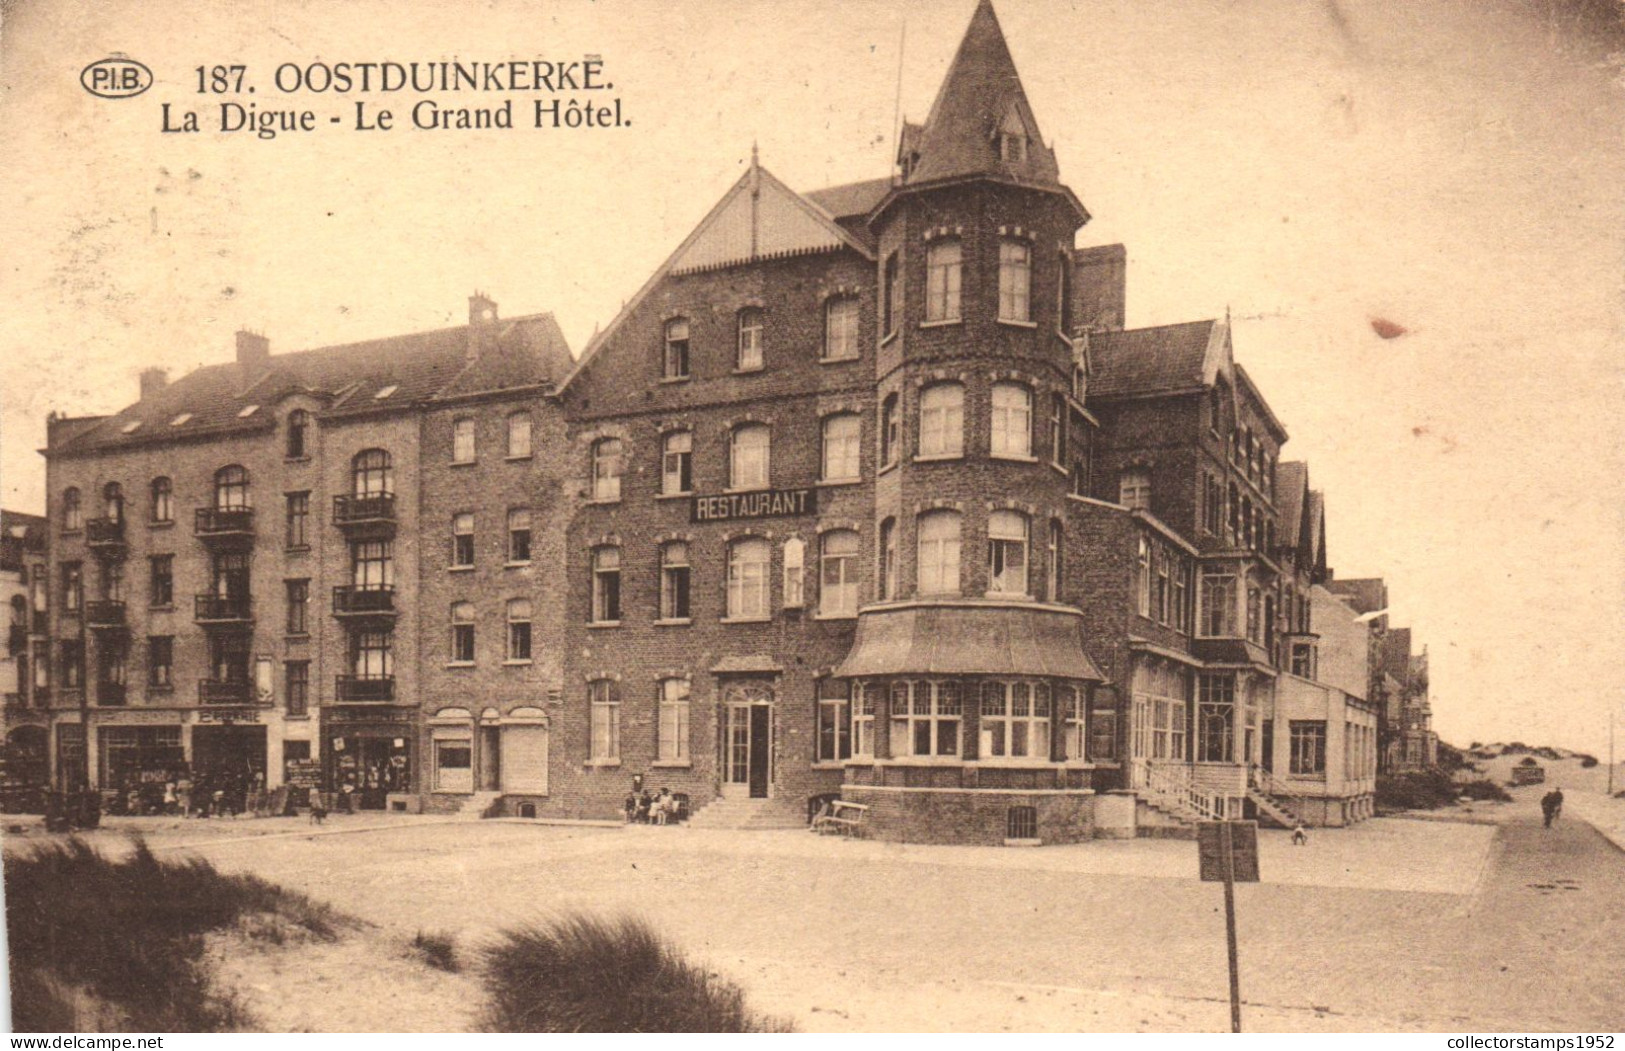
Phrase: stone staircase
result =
(478, 805)
(753, 815)
(1259, 786)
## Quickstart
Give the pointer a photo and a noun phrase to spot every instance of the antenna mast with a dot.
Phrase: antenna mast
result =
(897, 105)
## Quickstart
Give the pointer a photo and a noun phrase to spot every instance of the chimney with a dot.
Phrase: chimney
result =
(1100, 282)
(482, 316)
(253, 352)
(153, 381)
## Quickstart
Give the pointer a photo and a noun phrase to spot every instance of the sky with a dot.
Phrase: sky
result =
(1452, 166)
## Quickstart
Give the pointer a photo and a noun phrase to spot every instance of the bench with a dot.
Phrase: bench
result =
(840, 818)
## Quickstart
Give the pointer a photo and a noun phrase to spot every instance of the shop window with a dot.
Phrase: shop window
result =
(518, 535)
(1012, 434)
(607, 465)
(943, 274)
(749, 357)
(672, 731)
(841, 328)
(674, 359)
(462, 633)
(925, 718)
(519, 436)
(840, 459)
(519, 629)
(604, 706)
(838, 578)
(462, 440)
(163, 500)
(834, 722)
(677, 463)
(462, 540)
(748, 579)
(1006, 553)
(674, 581)
(942, 420)
(454, 765)
(748, 456)
(606, 585)
(1015, 281)
(938, 561)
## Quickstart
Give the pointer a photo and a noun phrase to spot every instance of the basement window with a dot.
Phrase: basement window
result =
(181, 420)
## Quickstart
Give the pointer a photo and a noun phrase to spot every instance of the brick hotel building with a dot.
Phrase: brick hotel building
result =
(866, 492)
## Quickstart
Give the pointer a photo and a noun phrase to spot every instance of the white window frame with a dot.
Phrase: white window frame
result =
(1015, 281)
(608, 464)
(675, 361)
(842, 447)
(672, 727)
(942, 421)
(750, 322)
(604, 734)
(1015, 720)
(464, 448)
(677, 463)
(1008, 566)
(937, 563)
(841, 328)
(838, 579)
(606, 600)
(749, 582)
(932, 707)
(750, 457)
(675, 567)
(944, 277)
(1012, 421)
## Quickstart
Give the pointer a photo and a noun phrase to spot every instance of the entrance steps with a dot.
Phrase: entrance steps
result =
(748, 814)
(478, 805)
(1158, 821)
(1274, 809)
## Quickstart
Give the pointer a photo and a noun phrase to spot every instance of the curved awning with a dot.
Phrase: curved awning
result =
(969, 638)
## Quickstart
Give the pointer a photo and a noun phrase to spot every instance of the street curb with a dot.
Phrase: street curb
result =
(1615, 838)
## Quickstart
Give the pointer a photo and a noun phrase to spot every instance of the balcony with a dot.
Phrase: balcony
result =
(225, 525)
(104, 615)
(350, 689)
(215, 691)
(223, 610)
(363, 601)
(105, 536)
(372, 514)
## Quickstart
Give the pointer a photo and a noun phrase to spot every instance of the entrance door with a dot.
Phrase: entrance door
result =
(747, 740)
(490, 758)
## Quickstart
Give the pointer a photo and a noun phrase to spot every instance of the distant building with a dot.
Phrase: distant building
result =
(24, 669)
(1398, 681)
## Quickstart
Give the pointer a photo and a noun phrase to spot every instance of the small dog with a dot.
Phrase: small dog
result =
(1299, 836)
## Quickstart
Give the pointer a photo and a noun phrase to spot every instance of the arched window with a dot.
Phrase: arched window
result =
(838, 574)
(890, 437)
(841, 328)
(298, 425)
(840, 460)
(1006, 553)
(942, 280)
(674, 581)
(372, 473)
(1012, 420)
(674, 358)
(748, 457)
(113, 501)
(938, 556)
(519, 436)
(748, 560)
(606, 469)
(231, 488)
(750, 340)
(462, 633)
(677, 463)
(163, 500)
(1015, 281)
(1134, 489)
(942, 420)
(73, 518)
(888, 559)
(606, 585)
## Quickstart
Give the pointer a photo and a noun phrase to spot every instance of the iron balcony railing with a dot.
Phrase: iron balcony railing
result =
(368, 508)
(352, 688)
(223, 609)
(104, 613)
(224, 522)
(105, 533)
(363, 600)
(227, 691)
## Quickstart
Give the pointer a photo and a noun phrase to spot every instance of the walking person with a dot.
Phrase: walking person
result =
(1549, 805)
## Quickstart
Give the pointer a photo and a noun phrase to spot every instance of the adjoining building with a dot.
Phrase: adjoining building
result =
(1398, 681)
(252, 562)
(24, 667)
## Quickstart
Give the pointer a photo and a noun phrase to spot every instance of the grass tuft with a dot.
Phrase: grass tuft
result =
(587, 975)
(90, 935)
(438, 950)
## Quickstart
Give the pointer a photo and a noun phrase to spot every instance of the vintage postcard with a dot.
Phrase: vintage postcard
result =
(880, 516)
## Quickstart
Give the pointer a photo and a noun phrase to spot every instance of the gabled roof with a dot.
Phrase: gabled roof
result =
(1161, 360)
(1291, 488)
(760, 218)
(980, 97)
(347, 379)
(850, 200)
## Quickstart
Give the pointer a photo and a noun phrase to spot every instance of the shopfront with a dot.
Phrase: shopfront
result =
(367, 755)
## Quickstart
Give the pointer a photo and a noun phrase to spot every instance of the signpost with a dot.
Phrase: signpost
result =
(1228, 851)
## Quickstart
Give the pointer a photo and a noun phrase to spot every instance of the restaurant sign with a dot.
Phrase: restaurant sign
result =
(764, 503)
